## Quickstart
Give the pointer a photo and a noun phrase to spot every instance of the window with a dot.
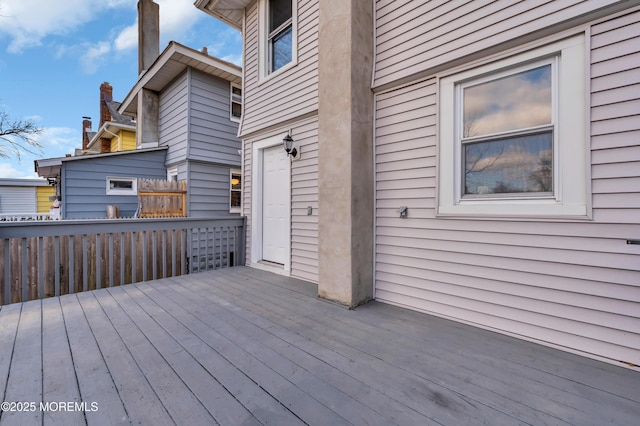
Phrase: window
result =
(122, 186)
(279, 35)
(235, 191)
(512, 135)
(236, 102)
(172, 174)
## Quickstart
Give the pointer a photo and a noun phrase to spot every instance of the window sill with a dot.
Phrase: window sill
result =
(536, 210)
(268, 77)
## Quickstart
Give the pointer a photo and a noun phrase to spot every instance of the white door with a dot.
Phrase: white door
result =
(275, 210)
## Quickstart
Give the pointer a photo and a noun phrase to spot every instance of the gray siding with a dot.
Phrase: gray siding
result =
(173, 119)
(414, 37)
(84, 182)
(574, 285)
(290, 94)
(208, 189)
(212, 135)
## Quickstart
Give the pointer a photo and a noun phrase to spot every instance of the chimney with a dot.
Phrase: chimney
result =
(86, 128)
(106, 95)
(148, 34)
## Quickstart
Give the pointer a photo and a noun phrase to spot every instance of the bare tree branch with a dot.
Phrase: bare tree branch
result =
(18, 136)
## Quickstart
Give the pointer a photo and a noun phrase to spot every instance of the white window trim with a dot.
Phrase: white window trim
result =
(171, 172)
(132, 191)
(263, 39)
(570, 163)
(232, 101)
(231, 173)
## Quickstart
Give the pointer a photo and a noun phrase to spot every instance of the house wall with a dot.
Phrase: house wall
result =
(125, 141)
(42, 196)
(208, 189)
(304, 194)
(173, 119)
(84, 182)
(415, 38)
(573, 284)
(17, 199)
(212, 135)
(288, 94)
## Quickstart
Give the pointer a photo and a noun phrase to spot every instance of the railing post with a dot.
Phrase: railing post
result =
(24, 282)
(56, 263)
(72, 264)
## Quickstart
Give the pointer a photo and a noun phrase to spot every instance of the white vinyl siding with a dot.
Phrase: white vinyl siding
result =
(414, 37)
(304, 194)
(569, 284)
(17, 199)
(288, 94)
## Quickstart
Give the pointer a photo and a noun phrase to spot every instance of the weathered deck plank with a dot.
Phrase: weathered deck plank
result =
(241, 346)
(59, 383)
(24, 384)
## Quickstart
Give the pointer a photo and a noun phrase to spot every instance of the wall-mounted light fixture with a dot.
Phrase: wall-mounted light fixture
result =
(288, 146)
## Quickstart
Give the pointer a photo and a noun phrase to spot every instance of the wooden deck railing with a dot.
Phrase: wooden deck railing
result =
(51, 258)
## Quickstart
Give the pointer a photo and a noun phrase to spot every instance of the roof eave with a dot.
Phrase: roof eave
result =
(231, 12)
(173, 52)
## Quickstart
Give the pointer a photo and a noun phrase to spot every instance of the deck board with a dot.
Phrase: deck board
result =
(242, 346)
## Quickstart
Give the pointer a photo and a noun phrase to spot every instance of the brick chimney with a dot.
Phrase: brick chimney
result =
(86, 128)
(106, 95)
(105, 145)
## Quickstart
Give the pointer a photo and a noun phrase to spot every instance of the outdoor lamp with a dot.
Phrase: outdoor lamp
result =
(288, 143)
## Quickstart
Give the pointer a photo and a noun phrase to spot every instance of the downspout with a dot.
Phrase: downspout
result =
(113, 134)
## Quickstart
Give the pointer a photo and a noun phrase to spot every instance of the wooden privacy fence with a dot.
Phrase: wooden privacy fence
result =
(43, 259)
(162, 198)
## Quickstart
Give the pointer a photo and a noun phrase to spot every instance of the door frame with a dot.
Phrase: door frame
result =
(257, 159)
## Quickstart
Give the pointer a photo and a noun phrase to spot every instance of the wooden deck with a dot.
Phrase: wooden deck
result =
(241, 347)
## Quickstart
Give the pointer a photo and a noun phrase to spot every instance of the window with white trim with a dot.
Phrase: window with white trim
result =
(122, 186)
(279, 35)
(235, 100)
(172, 174)
(235, 191)
(513, 135)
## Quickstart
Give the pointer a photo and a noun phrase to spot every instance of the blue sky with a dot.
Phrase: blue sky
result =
(55, 54)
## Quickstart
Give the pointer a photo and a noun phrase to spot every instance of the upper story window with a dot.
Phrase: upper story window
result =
(513, 135)
(236, 102)
(279, 35)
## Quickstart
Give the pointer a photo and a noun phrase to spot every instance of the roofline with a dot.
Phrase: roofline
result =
(112, 154)
(23, 182)
(202, 5)
(175, 48)
(112, 125)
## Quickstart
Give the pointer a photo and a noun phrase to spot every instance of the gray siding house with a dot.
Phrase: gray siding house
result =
(90, 183)
(474, 160)
(185, 102)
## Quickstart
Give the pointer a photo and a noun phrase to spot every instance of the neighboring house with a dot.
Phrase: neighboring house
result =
(25, 197)
(116, 132)
(475, 160)
(90, 183)
(186, 106)
(191, 103)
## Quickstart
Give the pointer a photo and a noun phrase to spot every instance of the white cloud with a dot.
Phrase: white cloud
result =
(234, 59)
(60, 140)
(8, 171)
(27, 22)
(95, 56)
(127, 39)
